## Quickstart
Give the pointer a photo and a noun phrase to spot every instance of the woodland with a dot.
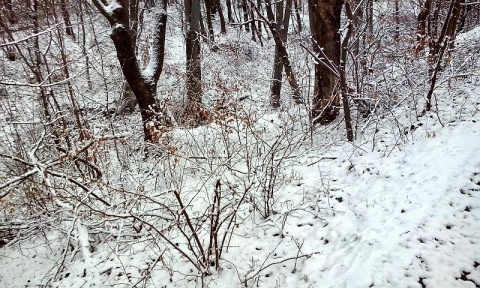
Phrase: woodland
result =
(239, 143)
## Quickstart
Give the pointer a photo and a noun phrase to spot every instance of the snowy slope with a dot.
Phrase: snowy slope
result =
(366, 220)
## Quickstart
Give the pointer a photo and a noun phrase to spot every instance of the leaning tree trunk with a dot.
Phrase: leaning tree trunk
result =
(444, 41)
(281, 55)
(142, 82)
(127, 101)
(325, 25)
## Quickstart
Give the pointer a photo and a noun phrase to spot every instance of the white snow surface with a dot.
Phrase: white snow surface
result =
(365, 219)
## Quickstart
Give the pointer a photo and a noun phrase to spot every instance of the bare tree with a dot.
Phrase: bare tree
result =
(194, 70)
(142, 82)
(281, 59)
(66, 18)
(342, 70)
(324, 25)
(282, 22)
(11, 15)
(209, 4)
(439, 45)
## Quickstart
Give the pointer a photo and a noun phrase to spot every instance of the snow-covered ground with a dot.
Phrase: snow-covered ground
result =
(356, 219)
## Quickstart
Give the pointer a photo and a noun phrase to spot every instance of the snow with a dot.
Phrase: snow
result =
(112, 6)
(362, 219)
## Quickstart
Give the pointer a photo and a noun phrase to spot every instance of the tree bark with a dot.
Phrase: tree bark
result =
(66, 19)
(194, 70)
(325, 24)
(208, 9)
(229, 11)
(223, 27)
(281, 56)
(143, 83)
(343, 78)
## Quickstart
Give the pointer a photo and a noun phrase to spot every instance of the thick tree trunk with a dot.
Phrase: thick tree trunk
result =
(194, 70)
(127, 101)
(325, 24)
(142, 83)
(144, 93)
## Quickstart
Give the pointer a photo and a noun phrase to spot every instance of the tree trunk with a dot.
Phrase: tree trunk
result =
(127, 101)
(208, 9)
(369, 16)
(66, 19)
(194, 71)
(281, 55)
(229, 11)
(325, 24)
(142, 83)
(343, 78)
(444, 41)
(276, 86)
(84, 46)
(223, 27)
(397, 20)
(11, 15)
(245, 15)
(454, 21)
(422, 19)
(297, 15)
(38, 60)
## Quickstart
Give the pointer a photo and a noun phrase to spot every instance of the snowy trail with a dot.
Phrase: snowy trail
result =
(408, 222)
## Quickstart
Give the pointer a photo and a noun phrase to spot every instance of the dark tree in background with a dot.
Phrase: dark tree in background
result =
(278, 26)
(11, 15)
(325, 25)
(194, 69)
(282, 22)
